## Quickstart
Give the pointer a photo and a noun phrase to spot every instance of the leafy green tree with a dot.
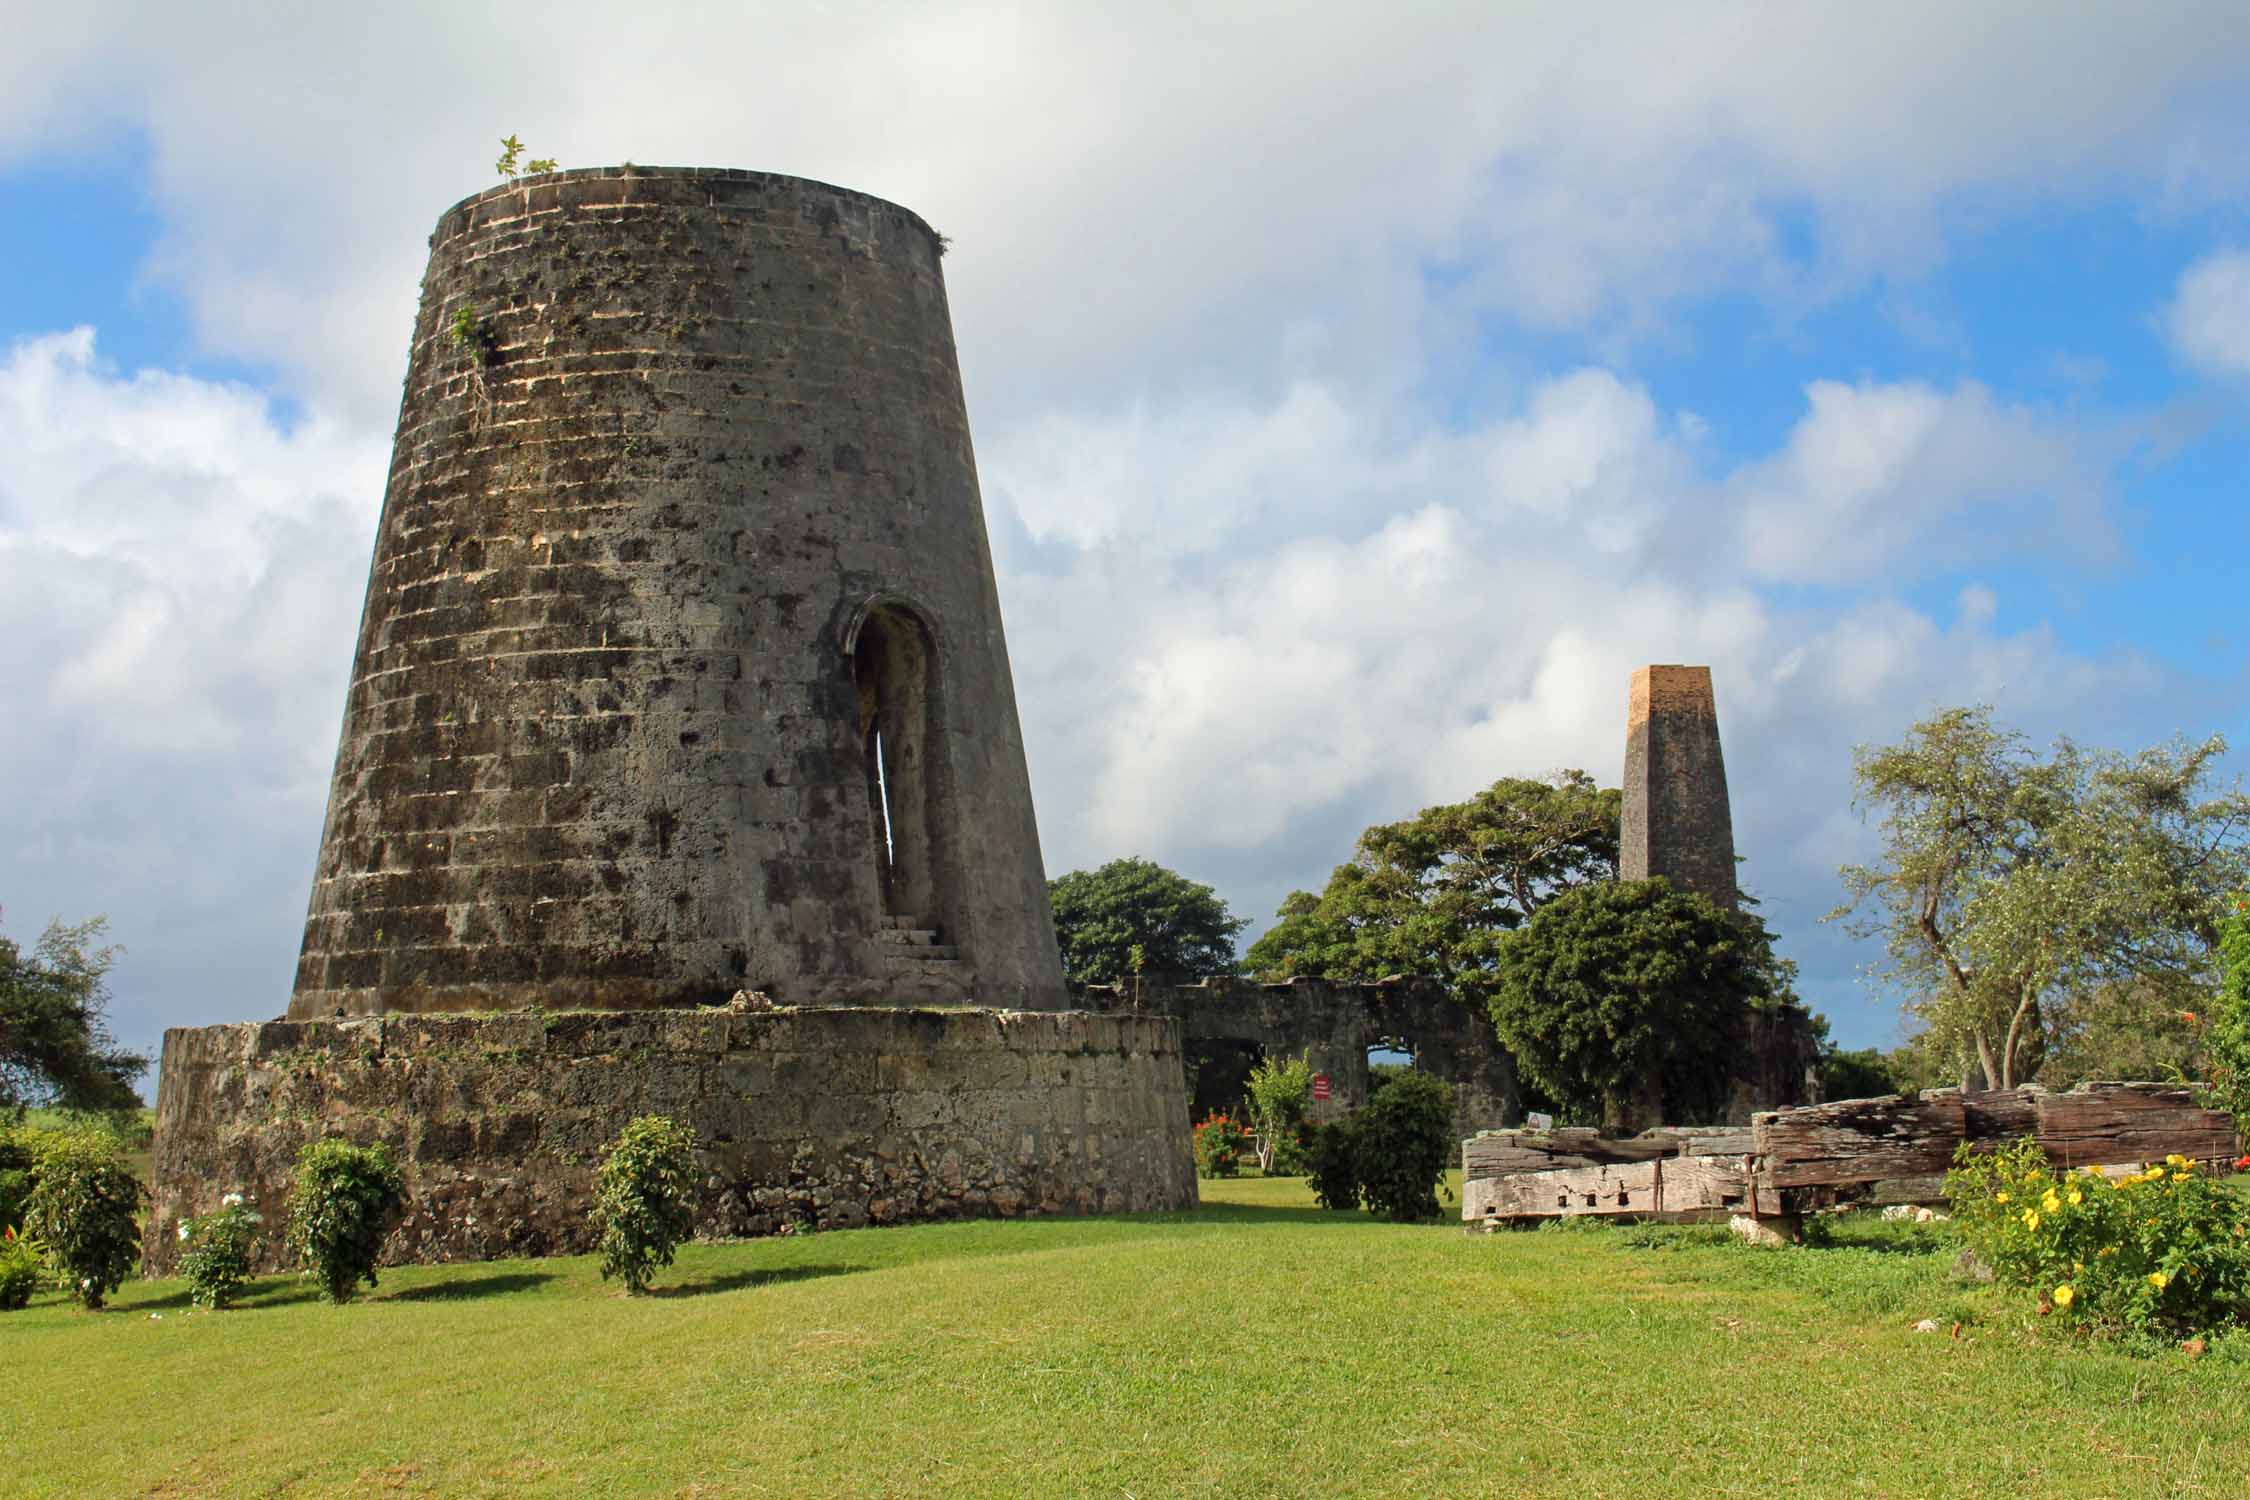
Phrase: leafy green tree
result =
(1280, 1091)
(645, 1198)
(55, 1045)
(1857, 1073)
(2008, 882)
(346, 1201)
(1436, 894)
(2229, 1039)
(2125, 1028)
(1402, 1142)
(1623, 1001)
(1181, 929)
(85, 1208)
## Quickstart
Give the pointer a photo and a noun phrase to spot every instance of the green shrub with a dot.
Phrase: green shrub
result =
(1280, 1091)
(19, 1151)
(38, 1131)
(1405, 1142)
(1219, 1143)
(1332, 1161)
(346, 1202)
(216, 1262)
(84, 1208)
(2163, 1252)
(1292, 1153)
(644, 1199)
(2228, 1041)
(23, 1265)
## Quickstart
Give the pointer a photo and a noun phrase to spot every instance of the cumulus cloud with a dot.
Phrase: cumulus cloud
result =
(1874, 470)
(1264, 192)
(2208, 319)
(1238, 685)
(179, 581)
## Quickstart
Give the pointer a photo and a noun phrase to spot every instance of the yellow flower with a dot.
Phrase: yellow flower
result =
(2030, 1219)
(2051, 1203)
(2181, 1176)
(2158, 1280)
(2076, 1197)
(1999, 1197)
(2063, 1295)
(2175, 1160)
(2104, 1251)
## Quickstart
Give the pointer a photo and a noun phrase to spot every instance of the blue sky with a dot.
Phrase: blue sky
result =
(1355, 407)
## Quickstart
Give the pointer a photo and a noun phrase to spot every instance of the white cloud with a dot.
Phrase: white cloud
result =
(2208, 320)
(179, 582)
(1257, 193)
(1874, 472)
(1477, 605)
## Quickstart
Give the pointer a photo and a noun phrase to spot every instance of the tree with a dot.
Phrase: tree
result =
(2008, 882)
(1435, 894)
(1624, 1000)
(2229, 1038)
(1280, 1091)
(55, 1046)
(1402, 1141)
(1180, 928)
(2124, 1029)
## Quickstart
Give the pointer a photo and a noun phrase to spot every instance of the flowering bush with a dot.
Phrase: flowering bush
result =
(2163, 1251)
(1219, 1144)
(22, 1267)
(644, 1199)
(84, 1207)
(216, 1261)
(346, 1202)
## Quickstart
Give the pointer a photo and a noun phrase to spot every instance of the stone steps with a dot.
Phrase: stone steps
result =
(932, 953)
(911, 950)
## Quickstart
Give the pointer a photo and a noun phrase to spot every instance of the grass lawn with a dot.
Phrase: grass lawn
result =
(1255, 1347)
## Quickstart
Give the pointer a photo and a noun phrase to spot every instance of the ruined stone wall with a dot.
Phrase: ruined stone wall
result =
(1676, 819)
(1335, 1024)
(836, 1118)
(682, 496)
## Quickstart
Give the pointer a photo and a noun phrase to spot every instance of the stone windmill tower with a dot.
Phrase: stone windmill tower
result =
(681, 668)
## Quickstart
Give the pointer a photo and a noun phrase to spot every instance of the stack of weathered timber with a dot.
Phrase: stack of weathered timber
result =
(1889, 1150)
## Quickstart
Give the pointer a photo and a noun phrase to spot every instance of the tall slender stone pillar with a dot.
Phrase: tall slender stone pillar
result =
(1677, 822)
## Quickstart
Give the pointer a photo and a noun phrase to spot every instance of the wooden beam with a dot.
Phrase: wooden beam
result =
(1679, 1185)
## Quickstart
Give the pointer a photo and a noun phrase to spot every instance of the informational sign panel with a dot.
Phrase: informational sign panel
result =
(1320, 1086)
(1537, 1121)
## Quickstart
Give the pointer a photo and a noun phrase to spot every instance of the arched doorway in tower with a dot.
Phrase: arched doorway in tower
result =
(894, 667)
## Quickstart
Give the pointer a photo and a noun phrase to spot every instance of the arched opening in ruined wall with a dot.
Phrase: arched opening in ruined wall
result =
(894, 668)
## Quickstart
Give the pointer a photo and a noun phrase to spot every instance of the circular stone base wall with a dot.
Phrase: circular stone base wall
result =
(828, 1118)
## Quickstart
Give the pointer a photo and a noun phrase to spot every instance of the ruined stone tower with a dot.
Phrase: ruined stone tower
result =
(681, 668)
(1676, 820)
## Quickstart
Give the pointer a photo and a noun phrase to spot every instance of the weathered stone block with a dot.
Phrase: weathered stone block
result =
(499, 1141)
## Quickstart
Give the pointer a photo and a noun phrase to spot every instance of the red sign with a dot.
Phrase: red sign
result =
(1320, 1085)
